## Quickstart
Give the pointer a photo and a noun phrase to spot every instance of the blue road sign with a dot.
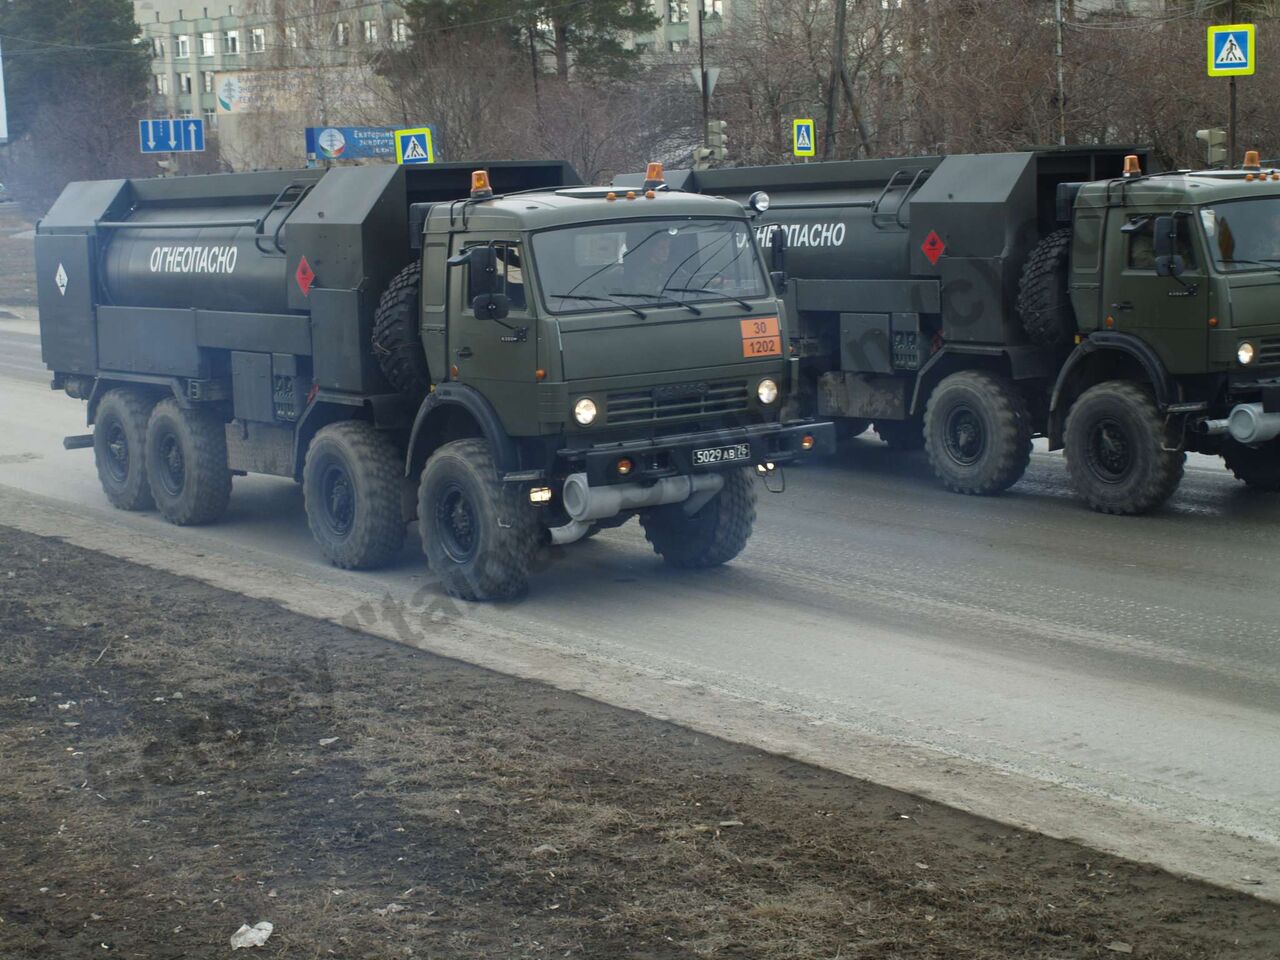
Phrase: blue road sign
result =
(171, 136)
(803, 140)
(416, 145)
(1232, 51)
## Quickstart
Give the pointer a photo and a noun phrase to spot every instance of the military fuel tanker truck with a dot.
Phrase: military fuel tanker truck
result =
(512, 368)
(968, 303)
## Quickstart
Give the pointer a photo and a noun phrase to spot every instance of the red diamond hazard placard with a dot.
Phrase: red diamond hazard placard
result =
(933, 247)
(305, 277)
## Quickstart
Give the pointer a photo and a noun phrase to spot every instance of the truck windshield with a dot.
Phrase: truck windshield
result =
(1244, 234)
(646, 263)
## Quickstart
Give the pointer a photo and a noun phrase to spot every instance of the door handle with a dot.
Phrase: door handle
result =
(463, 353)
(1123, 305)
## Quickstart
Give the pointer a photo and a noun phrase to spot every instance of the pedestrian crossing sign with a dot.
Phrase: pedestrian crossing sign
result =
(1232, 50)
(415, 146)
(802, 138)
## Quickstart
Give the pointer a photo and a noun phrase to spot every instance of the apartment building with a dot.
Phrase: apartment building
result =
(194, 43)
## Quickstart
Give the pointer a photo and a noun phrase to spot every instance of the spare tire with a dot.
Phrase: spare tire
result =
(397, 333)
(1044, 303)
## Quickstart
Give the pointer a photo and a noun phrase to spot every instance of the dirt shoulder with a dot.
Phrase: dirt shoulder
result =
(170, 773)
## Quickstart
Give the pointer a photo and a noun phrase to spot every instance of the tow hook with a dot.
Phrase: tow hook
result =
(775, 481)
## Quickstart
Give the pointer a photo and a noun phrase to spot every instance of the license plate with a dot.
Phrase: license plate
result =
(730, 454)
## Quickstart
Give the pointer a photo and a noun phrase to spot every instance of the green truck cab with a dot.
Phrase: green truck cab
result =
(1174, 282)
(514, 370)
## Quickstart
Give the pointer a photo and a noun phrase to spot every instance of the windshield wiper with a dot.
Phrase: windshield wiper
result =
(582, 296)
(657, 296)
(719, 293)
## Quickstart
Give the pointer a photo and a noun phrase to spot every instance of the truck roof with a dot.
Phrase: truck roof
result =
(564, 207)
(1181, 187)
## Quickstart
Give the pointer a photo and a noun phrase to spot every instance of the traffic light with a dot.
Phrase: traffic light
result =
(1215, 141)
(717, 142)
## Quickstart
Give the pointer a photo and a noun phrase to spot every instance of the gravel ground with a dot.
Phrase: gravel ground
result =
(179, 761)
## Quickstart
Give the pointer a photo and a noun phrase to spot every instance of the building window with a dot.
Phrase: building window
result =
(291, 35)
(714, 9)
(157, 48)
(208, 81)
(184, 47)
(369, 29)
(208, 45)
(257, 40)
(399, 31)
(162, 84)
(342, 33)
(184, 83)
(231, 41)
(210, 118)
(184, 115)
(678, 11)
(677, 46)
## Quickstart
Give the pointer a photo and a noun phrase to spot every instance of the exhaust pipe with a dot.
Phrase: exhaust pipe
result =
(1247, 423)
(585, 503)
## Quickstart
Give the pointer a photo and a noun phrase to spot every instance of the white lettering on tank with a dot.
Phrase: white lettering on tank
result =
(804, 235)
(194, 259)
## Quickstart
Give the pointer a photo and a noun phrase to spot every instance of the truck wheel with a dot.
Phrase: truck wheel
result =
(119, 448)
(1043, 301)
(479, 534)
(187, 464)
(714, 535)
(901, 434)
(1259, 467)
(1116, 450)
(977, 433)
(351, 488)
(397, 333)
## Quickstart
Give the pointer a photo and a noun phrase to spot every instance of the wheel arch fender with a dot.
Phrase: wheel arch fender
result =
(1097, 358)
(453, 411)
(156, 387)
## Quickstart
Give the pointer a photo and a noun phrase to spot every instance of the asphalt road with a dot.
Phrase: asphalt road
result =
(1114, 679)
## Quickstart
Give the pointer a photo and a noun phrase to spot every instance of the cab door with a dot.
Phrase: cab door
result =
(492, 353)
(1171, 314)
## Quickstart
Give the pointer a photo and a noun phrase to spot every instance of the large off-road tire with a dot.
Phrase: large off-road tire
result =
(977, 433)
(1259, 467)
(1117, 450)
(1044, 303)
(479, 534)
(901, 434)
(351, 487)
(119, 448)
(397, 333)
(187, 463)
(714, 535)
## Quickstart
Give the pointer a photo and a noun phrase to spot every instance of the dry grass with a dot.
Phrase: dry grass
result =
(507, 820)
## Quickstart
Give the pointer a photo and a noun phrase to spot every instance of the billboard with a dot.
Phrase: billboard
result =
(351, 143)
(4, 115)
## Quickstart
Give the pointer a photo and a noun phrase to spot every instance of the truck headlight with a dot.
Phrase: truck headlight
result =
(758, 201)
(584, 411)
(1244, 353)
(767, 390)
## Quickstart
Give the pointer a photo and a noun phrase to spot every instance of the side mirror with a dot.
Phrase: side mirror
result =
(779, 280)
(484, 278)
(1164, 242)
(491, 306)
(778, 249)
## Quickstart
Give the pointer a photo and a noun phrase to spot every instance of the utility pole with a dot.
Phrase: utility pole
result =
(1062, 87)
(829, 135)
(702, 74)
(1232, 156)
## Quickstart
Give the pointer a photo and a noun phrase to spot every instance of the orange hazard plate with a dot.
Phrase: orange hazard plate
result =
(761, 337)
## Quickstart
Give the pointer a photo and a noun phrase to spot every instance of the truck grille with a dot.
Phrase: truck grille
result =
(1268, 351)
(677, 400)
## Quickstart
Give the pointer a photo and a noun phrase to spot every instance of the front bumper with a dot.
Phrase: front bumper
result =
(672, 456)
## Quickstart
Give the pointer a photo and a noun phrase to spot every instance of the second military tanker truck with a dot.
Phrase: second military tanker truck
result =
(966, 304)
(492, 352)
